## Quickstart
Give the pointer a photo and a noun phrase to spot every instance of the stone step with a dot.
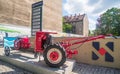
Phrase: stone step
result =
(29, 63)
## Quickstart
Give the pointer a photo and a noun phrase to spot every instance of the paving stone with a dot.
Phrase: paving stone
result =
(90, 69)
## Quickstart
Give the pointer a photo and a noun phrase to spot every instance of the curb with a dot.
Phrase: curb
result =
(26, 66)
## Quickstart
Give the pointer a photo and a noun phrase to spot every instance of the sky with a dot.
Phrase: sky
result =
(93, 8)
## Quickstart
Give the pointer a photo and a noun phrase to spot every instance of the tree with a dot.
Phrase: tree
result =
(109, 22)
(67, 27)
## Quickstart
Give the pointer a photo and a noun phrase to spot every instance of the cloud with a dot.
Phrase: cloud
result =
(103, 5)
(72, 6)
(92, 2)
(93, 8)
(92, 24)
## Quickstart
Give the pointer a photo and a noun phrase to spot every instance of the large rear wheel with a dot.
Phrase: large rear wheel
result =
(54, 56)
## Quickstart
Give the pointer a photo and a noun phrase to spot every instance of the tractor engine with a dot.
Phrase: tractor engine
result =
(42, 41)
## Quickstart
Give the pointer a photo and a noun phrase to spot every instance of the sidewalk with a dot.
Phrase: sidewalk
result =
(90, 69)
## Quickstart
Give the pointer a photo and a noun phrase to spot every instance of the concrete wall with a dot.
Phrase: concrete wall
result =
(102, 52)
(16, 12)
(52, 15)
(85, 26)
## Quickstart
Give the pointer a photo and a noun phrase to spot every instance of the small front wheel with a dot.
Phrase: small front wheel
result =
(7, 51)
(54, 56)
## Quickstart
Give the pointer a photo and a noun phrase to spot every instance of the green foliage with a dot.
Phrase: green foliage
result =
(8, 30)
(67, 27)
(109, 22)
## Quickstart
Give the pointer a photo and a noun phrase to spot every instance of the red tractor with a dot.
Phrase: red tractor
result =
(55, 54)
(22, 42)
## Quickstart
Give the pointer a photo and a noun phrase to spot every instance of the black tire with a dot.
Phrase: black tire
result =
(60, 53)
(7, 51)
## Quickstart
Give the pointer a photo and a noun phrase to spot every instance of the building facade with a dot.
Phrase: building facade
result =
(80, 24)
(52, 15)
(18, 13)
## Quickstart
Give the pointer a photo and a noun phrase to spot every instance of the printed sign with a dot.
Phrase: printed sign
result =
(36, 17)
(103, 52)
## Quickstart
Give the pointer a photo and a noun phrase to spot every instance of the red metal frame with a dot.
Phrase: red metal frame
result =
(41, 36)
(25, 42)
(70, 52)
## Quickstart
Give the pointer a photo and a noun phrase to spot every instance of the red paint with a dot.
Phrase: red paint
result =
(39, 38)
(102, 51)
(54, 56)
(22, 43)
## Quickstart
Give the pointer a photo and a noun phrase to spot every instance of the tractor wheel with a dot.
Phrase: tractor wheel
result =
(7, 51)
(54, 56)
(17, 44)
